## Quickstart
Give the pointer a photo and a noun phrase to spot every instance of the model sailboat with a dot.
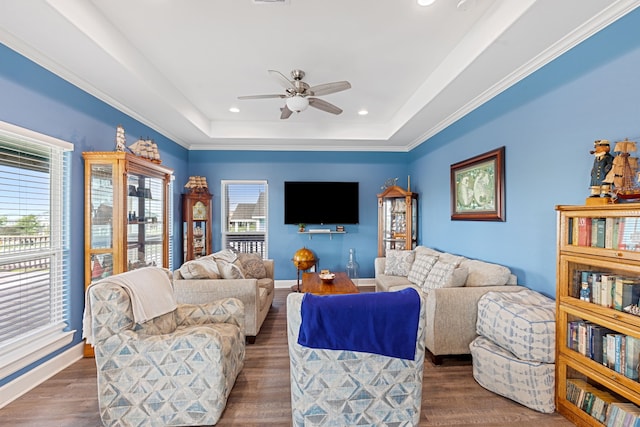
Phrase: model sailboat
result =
(625, 171)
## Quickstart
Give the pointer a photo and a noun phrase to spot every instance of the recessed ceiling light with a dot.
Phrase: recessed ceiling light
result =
(234, 109)
(426, 2)
(363, 112)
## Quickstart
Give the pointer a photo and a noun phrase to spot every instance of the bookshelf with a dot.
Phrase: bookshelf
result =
(597, 341)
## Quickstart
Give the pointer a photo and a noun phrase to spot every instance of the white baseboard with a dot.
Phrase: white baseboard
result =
(26, 382)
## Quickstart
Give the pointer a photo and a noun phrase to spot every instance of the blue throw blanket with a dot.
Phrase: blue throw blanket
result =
(383, 323)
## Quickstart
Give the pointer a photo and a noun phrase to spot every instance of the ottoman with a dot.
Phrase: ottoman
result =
(514, 353)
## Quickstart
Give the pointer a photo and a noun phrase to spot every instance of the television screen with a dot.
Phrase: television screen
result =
(320, 202)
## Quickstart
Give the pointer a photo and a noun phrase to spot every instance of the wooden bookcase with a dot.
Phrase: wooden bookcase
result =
(604, 243)
(126, 215)
(397, 220)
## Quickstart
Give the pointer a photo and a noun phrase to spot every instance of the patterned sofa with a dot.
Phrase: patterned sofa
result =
(227, 274)
(176, 369)
(339, 387)
(452, 285)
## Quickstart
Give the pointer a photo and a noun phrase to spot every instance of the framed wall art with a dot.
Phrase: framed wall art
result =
(477, 188)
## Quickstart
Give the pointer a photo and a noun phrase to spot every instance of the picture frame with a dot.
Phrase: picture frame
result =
(477, 187)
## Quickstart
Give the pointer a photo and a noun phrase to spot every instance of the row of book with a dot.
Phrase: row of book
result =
(606, 289)
(602, 405)
(610, 232)
(618, 352)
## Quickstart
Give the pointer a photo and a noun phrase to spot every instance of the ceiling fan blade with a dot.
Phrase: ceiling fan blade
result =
(327, 88)
(286, 113)
(261, 96)
(324, 106)
(280, 78)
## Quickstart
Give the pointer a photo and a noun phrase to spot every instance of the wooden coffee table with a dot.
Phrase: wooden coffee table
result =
(311, 283)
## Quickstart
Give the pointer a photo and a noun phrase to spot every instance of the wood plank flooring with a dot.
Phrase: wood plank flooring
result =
(261, 395)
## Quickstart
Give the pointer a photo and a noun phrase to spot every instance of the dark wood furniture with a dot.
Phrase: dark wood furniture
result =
(197, 223)
(311, 283)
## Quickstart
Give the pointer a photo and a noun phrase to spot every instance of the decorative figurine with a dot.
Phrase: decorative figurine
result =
(602, 164)
(120, 139)
(390, 182)
(197, 184)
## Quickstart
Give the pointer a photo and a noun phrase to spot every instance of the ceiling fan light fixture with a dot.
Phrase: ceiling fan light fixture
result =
(297, 103)
(426, 2)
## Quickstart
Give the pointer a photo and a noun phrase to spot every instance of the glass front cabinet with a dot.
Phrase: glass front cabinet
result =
(125, 215)
(597, 315)
(397, 220)
(196, 213)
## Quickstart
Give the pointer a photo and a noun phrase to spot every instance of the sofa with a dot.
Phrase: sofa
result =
(227, 274)
(452, 285)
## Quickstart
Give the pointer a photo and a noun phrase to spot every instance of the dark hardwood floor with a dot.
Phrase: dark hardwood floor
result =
(261, 395)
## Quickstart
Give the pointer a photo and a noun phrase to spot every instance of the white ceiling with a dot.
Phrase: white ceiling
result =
(179, 65)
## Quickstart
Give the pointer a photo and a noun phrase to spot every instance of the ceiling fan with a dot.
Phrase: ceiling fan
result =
(299, 95)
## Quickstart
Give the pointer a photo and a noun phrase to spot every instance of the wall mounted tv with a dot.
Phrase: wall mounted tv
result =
(321, 202)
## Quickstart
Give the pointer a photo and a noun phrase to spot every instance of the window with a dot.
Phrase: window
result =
(244, 216)
(34, 246)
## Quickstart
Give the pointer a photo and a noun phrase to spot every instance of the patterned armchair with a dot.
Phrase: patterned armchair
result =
(344, 387)
(176, 369)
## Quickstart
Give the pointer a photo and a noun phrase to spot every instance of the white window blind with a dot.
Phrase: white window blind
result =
(34, 246)
(245, 216)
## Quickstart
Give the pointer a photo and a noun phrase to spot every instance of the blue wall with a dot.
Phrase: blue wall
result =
(369, 169)
(36, 99)
(547, 123)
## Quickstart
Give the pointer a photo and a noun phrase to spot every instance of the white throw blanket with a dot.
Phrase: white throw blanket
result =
(150, 291)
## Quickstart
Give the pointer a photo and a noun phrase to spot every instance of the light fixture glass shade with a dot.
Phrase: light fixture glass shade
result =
(297, 103)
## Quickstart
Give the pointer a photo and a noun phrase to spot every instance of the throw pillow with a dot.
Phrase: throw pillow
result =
(428, 251)
(421, 267)
(398, 263)
(456, 260)
(486, 274)
(203, 268)
(445, 275)
(227, 255)
(229, 270)
(252, 266)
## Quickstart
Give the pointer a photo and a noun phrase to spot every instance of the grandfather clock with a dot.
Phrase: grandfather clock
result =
(197, 217)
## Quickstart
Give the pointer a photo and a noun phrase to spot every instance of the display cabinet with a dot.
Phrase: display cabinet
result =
(598, 322)
(197, 217)
(125, 215)
(397, 219)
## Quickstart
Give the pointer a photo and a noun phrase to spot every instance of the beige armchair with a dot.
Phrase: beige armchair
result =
(176, 369)
(256, 295)
(331, 387)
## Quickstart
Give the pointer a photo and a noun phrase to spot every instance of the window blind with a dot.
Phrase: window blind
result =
(245, 216)
(34, 246)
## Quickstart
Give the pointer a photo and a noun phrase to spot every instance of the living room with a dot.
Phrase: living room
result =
(547, 123)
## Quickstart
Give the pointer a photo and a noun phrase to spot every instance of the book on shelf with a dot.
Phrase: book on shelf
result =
(589, 398)
(584, 231)
(604, 233)
(623, 414)
(606, 288)
(596, 288)
(597, 232)
(632, 354)
(626, 292)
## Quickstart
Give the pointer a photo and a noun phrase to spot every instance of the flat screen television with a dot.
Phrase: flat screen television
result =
(321, 202)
